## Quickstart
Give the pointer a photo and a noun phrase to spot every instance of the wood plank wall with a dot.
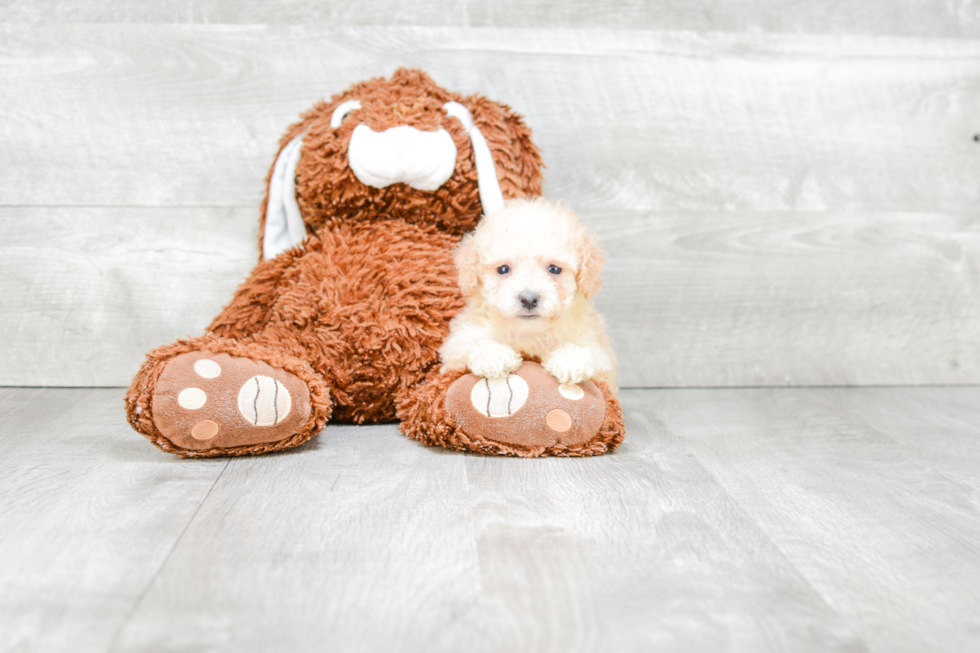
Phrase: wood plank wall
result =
(788, 192)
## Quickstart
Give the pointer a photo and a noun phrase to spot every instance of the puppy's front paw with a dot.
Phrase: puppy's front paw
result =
(493, 360)
(574, 364)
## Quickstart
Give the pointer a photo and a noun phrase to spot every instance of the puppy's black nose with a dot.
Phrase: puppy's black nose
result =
(528, 299)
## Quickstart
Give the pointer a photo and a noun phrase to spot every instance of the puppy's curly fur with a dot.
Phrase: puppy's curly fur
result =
(528, 273)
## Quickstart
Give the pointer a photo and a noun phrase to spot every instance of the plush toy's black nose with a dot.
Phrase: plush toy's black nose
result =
(528, 299)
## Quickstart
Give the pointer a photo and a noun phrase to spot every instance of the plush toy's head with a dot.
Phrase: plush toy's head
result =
(400, 148)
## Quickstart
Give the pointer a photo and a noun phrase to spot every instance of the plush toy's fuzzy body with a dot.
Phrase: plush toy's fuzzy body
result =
(346, 323)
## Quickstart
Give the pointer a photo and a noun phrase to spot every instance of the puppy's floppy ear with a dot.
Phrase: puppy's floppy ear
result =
(467, 262)
(591, 258)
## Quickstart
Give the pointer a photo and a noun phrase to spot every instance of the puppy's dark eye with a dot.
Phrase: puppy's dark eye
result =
(503, 269)
(554, 269)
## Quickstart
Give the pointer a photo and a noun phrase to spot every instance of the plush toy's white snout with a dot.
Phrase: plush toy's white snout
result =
(423, 160)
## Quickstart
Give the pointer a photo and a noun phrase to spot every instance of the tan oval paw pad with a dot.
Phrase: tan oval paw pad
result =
(571, 391)
(192, 398)
(559, 420)
(204, 430)
(207, 368)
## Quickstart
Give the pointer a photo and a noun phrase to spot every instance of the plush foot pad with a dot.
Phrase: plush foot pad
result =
(204, 400)
(529, 408)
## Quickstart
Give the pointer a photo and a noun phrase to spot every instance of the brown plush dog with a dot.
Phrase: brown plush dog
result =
(344, 316)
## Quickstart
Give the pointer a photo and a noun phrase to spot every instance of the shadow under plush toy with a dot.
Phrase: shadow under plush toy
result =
(343, 317)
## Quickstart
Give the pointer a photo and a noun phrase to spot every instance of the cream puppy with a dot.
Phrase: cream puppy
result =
(528, 272)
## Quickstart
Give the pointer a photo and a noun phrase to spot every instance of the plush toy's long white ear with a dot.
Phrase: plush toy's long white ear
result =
(486, 172)
(284, 226)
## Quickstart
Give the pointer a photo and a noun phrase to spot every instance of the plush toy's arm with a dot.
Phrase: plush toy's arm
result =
(250, 309)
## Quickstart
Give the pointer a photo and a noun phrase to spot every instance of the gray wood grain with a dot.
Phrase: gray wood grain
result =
(637, 551)
(366, 541)
(154, 115)
(736, 299)
(906, 17)
(882, 535)
(741, 520)
(939, 424)
(88, 515)
(85, 292)
(358, 541)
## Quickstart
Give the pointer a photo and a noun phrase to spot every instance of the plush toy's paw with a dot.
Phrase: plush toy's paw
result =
(204, 400)
(529, 409)
(494, 360)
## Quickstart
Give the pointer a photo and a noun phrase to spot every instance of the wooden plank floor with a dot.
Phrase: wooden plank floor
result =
(807, 519)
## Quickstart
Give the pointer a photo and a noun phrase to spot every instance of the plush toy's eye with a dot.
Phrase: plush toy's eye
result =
(554, 269)
(342, 110)
(503, 269)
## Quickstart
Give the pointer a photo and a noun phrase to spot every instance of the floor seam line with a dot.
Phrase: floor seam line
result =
(142, 596)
